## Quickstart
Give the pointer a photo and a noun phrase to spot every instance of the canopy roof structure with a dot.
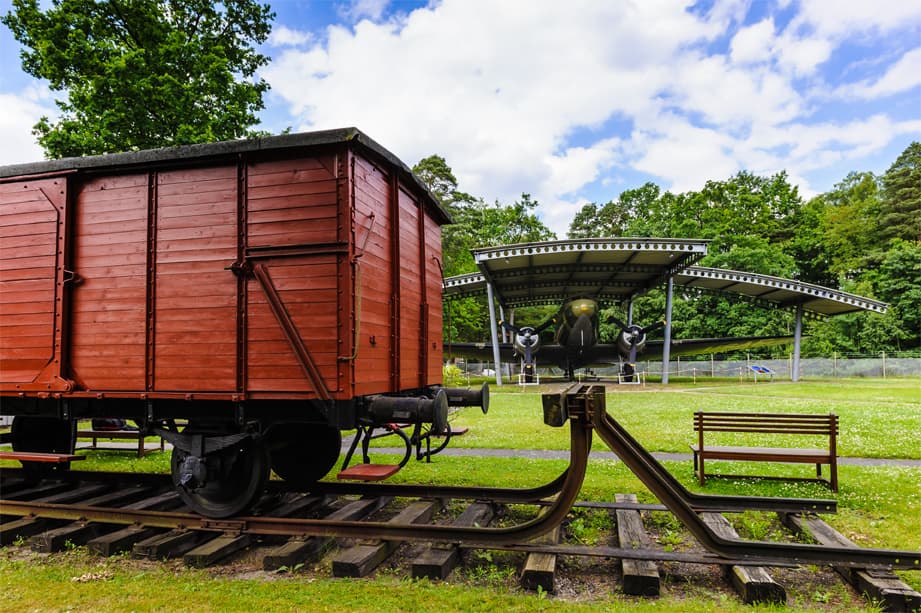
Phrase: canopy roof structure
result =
(777, 292)
(617, 270)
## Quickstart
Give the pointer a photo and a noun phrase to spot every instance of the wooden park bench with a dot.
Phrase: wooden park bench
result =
(773, 424)
(129, 435)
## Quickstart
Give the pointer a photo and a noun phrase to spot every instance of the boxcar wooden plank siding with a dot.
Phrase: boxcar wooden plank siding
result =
(374, 275)
(411, 271)
(307, 286)
(274, 187)
(191, 257)
(164, 253)
(28, 261)
(110, 283)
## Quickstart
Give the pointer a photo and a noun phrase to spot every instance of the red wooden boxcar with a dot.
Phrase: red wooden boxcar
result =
(268, 291)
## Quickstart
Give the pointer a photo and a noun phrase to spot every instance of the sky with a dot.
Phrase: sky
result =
(577, 101)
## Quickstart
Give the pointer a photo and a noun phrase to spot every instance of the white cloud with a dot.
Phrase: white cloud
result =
(359, 9)
(283, 36)
(502, 89)
(685, 155)
(753, 43)
(902, 76)
(845, 18)
(20, 112)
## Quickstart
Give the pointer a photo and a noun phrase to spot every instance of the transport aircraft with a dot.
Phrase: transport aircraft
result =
(576, 342)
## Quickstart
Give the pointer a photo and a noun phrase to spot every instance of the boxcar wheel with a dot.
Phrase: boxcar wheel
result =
(42, 435)
(302, 454)
(235, 479)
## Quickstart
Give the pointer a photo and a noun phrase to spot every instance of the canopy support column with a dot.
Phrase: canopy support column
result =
(667, 345)
(797, 337)
(494, 332)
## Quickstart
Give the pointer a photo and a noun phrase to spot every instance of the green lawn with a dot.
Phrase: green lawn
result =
(878, 418)
(878, 506)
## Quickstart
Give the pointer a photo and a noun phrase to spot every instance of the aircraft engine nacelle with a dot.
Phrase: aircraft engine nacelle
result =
(410, 409)
(633, 336)
(524, 338)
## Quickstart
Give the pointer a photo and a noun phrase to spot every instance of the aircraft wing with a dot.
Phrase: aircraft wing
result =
(477, 351)
(607, 354)
(697, 346)
(547, 355)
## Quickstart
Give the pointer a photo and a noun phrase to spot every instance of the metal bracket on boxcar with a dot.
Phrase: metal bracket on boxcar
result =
(240, 269)
(199, 445)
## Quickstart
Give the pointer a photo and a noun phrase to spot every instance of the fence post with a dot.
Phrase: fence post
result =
(884, 364)
(834, 364)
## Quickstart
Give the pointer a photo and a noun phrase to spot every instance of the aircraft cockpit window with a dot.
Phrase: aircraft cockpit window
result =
(583, 307)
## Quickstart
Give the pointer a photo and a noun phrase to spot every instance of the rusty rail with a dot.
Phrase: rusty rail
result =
(679, 501)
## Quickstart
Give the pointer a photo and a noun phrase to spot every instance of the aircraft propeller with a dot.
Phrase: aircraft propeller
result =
(528, 337)
(633, 337)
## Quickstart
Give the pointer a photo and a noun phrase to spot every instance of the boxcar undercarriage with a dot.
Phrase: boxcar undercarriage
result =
(223, 452)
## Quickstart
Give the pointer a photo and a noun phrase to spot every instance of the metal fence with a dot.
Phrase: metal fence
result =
(744, 367)
(830, 367)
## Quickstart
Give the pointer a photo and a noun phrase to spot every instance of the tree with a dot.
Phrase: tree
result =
(636, 212)
(141, 74)
(900, 209)
(476, 224)
(851, 223)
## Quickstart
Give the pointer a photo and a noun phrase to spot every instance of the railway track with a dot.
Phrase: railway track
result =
(640, 545)
(117, 512)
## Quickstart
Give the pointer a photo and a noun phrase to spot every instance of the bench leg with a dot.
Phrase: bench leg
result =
(700, 472)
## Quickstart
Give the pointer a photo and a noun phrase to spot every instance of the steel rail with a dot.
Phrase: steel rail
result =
(580, 445)
(676, 498)
(505, 495)
(495, 494)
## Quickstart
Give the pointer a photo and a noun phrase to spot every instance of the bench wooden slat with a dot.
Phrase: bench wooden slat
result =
(134, 435)
(767, 423)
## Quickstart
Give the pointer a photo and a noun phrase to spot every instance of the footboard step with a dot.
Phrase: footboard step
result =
(753, 583)
(640, 577)
(880, 586)
(32, 456)
(368, 472)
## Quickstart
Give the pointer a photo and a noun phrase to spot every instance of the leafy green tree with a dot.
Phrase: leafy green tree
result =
(139, 74)
(807, 245)
(636, 212)
(851, 225)
(439, 178)
(897, 281)
(900, 209)
(476, 224)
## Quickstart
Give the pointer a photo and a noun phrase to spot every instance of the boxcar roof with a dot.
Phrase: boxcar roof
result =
(205, 151)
